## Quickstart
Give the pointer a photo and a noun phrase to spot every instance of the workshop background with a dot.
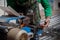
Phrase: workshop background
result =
(55, 4)
(55, 19)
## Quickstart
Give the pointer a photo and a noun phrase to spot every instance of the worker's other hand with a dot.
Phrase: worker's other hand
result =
(26, 20)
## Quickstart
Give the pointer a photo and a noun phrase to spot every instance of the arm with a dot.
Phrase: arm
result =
(47, 10)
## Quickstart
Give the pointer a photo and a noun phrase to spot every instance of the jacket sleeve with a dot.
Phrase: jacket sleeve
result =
(47, 8)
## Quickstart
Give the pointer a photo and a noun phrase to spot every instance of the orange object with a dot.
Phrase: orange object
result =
(22, 25)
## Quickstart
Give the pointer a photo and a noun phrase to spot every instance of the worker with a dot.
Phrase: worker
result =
(21, 6)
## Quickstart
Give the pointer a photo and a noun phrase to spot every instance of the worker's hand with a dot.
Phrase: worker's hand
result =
(47, 21)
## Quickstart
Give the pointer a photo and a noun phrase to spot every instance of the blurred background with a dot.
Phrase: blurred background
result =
(55, 4)
(55, 19)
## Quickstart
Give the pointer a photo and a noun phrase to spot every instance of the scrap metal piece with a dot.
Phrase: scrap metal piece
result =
(17, 34)
(10, 10)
